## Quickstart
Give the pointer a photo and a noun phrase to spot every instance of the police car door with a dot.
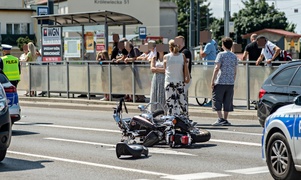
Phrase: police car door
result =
(297, 137)
(294, 89)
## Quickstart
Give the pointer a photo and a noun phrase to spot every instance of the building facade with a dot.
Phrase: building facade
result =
(15, 21)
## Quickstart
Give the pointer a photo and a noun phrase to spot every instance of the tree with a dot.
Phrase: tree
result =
(258, 15)
(21, 41)
(184, 16)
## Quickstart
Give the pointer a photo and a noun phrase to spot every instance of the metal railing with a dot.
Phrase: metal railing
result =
(91, 78)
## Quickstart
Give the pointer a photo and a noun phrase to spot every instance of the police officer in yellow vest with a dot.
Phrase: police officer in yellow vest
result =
(10, 65)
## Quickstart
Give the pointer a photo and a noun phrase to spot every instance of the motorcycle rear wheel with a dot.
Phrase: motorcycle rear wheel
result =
(203, 136)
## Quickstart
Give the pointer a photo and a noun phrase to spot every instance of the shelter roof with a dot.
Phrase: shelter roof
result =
(282, 32)
(90, 18)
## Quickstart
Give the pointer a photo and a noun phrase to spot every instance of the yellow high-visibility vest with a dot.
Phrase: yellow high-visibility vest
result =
(11, 67)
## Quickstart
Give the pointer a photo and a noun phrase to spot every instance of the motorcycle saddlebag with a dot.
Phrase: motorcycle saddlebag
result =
(151, 139)
(135, 150)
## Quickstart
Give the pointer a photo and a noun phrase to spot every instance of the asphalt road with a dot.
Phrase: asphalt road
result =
(80, 144)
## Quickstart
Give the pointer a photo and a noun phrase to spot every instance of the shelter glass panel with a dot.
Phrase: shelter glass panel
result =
(58, 77)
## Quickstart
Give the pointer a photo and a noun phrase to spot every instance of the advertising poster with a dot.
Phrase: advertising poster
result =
(89, 42)
(100, 42)
(72, 47)
(51, 44)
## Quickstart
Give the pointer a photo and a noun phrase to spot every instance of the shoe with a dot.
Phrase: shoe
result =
(208, 104)
(104, 99)
(221, 122)
(82, 95)
(42, 93)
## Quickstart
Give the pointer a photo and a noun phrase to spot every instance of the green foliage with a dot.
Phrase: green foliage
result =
(21, 41)
(184, 16)
(256, 15)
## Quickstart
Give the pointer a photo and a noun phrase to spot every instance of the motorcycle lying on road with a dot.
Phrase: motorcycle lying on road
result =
(152, 128)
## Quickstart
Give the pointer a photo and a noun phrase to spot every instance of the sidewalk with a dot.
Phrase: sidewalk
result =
(55, 101)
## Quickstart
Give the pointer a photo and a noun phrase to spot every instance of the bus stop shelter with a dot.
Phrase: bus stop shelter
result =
(82, 19)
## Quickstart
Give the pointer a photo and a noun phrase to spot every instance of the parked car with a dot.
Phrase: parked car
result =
(279, 89)
(5, 124)
(12, 98)
(281, 142)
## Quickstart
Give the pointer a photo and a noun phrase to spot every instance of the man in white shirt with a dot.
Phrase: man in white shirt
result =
(269, 51)
(153, 51)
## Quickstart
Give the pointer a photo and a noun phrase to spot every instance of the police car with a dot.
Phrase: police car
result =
(281, 141)
(12, 98)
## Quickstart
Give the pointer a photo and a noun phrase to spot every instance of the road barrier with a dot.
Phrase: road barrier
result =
(91, 78)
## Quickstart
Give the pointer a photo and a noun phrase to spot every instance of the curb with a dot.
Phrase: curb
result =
(96, 105)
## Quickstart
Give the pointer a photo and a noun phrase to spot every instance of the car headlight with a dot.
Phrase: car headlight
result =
(2, 104)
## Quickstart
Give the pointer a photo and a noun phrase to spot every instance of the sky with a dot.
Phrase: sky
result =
(286, 6)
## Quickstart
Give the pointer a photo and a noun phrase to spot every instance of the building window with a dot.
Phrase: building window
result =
(9, 29)
(17, 29)
(22, 28)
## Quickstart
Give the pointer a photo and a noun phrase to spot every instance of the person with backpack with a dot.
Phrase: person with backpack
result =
(270, 51)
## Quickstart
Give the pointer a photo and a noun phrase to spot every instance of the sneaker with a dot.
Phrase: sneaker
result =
(208, 104)
(104, 99)
(221, 122)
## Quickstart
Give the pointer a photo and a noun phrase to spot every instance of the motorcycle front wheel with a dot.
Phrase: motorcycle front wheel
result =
(202, 136)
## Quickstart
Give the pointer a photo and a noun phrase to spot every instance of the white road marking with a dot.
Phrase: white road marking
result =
(236, 132)
(89, 163)
(81, 142)
(204, 175)
(151, 149)
(235, 142)
(118, 131)
(248, 171)
(71, 127)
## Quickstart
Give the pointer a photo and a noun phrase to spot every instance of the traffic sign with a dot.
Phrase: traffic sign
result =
(142, 32)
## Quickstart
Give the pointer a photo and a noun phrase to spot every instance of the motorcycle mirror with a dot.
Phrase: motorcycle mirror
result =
(141, 107)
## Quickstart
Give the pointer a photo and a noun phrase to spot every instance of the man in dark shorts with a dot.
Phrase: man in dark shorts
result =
(222, 82)
(252, 52)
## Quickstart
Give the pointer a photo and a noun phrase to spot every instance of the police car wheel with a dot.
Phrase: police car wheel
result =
(2, 154)
(279, 158)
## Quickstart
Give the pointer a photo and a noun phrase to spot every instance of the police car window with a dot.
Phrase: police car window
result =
(3, 79)
(285, 76)
(297, 78)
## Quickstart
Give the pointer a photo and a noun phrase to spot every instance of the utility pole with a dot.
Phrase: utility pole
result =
(192, 28)
(227, 18)
(198, 29)
(50, 5)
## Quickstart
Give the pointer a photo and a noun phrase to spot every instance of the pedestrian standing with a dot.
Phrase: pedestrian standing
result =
(30, 57)
(188, 56)
(222, 82)
(252, 51)
(270, 51)
(209, 54)
(10, 65)
(157, 93)
(176, 75)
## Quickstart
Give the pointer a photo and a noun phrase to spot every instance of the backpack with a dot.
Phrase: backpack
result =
(284, 56)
